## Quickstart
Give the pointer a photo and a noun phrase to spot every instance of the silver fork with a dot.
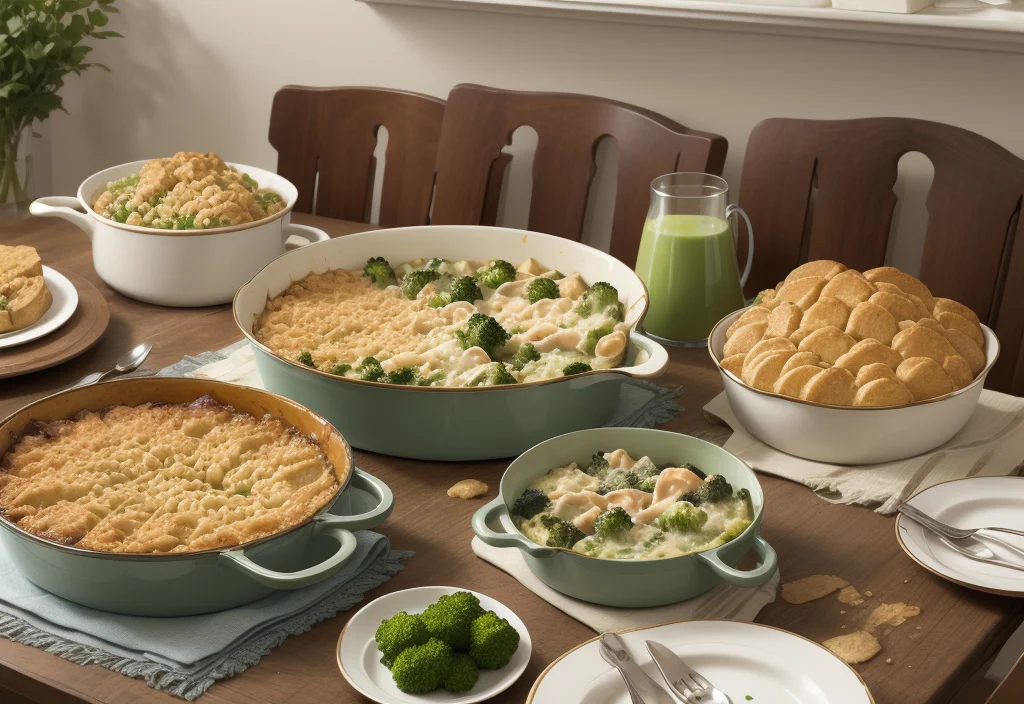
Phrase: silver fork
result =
(949, 531)
(687, 684)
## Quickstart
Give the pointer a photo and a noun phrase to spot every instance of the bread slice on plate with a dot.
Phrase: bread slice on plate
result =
(24, 298)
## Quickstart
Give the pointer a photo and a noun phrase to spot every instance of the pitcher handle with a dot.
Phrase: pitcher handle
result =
(737, 210)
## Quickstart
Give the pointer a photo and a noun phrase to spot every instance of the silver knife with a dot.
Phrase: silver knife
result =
(686, 684)
(977, 550)
(613, 649)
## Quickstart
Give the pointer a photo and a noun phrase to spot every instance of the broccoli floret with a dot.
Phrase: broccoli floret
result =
(435, 264)
(305, 357)
(340, 369)
(682, 517)
(464, 288)
(462, 674)
(497, 273)
(696, 470)
(524, 355)
(597, 465)
(414, 281)
(612, 524)
(530, 503)
(743, 494)
(4, 302)
(562, 534)
(757, 299)
(618, 479)
(694, 498)
(397, 633)
(598, 298)
(440, 300)
(449, 618)
(403, 376)
(575, 368)
(499, 375)
(715, 488)
(647, 484)
(379, 270)
(540, 288)
(429, 380)
(492, 641)
(422, 668)
(595, 335)
(370, 370)
(484, 332)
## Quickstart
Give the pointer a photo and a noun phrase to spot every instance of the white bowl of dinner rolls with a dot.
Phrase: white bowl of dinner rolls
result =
(848, 367)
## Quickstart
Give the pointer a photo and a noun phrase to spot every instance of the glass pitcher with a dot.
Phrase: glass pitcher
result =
(687, 258)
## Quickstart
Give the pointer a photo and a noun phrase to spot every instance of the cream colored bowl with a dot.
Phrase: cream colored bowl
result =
(186, 269)
(848, 435)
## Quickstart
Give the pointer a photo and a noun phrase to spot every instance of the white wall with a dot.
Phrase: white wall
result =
(200, 74)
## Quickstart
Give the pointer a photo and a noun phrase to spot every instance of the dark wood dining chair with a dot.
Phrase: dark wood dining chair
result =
(823, 189)
(332, 133)
(479, 121)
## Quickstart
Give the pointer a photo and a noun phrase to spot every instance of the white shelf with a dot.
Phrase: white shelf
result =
(988, 29)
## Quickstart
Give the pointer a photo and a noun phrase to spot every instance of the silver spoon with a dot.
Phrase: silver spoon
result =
(127, 362)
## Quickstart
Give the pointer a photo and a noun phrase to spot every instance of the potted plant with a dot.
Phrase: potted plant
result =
(41, 41)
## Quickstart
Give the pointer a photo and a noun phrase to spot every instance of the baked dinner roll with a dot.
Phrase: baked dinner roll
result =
(922, 341)
(784, 320)
(792, 382)
(883, 392)
(959, 371)
(849, 287)
(828, 343)
(767, 346)
(824, 268)
(870, 321)
(945, 305)
(744, 338)
(868, 352)
(873, 372)
(922, 310)
(802, 292)
(734, 364)
(903, 280)
(801, 359)
(966, 348)
(953, 321)
(767, 371)
(826, 312)
(924, 377)
(833, 387)
(757, 314)
(900, 307)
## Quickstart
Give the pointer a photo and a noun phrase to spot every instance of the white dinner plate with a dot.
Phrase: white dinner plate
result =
(747, 661)
(976, 502)
(65, 300)
(359, 659)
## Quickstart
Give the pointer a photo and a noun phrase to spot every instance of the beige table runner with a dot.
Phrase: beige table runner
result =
(991, 444)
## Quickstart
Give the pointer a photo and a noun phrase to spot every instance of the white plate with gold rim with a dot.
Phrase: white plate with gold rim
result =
(748, 661)
(359, 659)
(974, 502)
(65, 300)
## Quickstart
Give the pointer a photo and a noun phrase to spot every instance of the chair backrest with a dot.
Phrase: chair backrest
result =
(479, 121)
(332, 133)
(823, 189)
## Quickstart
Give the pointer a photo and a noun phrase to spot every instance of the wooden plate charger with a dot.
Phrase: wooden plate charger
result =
(71, 339)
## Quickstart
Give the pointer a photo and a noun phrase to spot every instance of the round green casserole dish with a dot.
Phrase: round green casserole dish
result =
(184, 584)
(630, 583)
(443, 423)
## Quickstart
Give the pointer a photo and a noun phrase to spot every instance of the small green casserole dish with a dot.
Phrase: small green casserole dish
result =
(630, 583)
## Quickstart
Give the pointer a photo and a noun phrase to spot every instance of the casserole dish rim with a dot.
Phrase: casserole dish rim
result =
(144, 557)
(635, 327)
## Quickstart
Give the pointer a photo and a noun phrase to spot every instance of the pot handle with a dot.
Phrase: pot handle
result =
(303, 232)
(62, 207)
(362, 521)
(302, 578)
(744, 578)
(657, 357)
(504, 540)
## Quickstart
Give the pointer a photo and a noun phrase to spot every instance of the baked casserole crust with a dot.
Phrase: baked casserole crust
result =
(163, 478)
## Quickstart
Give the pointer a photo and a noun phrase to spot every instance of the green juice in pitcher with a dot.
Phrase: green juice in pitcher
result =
(689, 265)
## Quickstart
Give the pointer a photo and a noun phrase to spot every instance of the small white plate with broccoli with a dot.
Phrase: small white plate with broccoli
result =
(441, 644)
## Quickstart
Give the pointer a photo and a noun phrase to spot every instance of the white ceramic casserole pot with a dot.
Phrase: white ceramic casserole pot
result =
(849, 435)
(190, 267)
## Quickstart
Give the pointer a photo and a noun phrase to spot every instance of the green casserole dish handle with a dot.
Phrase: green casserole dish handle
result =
(504, 540)
(337, 527)
(769, 562)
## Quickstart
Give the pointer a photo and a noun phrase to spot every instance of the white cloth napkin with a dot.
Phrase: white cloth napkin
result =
(991, 444)
(724, 601)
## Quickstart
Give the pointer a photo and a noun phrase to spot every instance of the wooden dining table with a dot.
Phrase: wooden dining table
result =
(928, 659)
